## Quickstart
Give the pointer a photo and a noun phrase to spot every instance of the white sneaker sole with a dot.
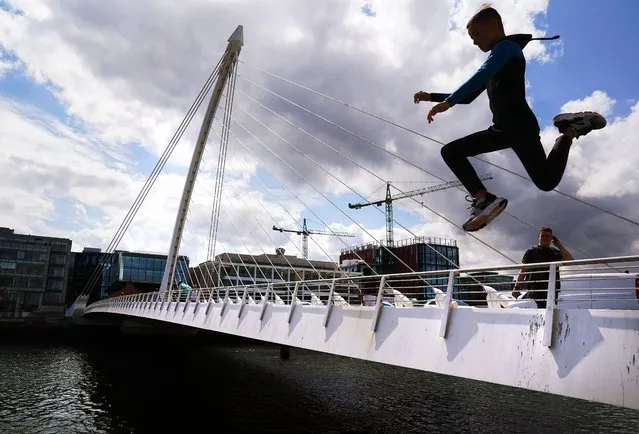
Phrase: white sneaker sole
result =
(487, 215)
(595, 120)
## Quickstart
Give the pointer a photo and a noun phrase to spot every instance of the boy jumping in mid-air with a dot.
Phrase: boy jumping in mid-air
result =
(514, 124)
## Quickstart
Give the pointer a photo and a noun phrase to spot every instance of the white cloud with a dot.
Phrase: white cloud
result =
(127, 72)
(598, 101)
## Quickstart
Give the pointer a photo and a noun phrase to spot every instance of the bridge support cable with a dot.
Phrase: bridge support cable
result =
(194, 277)
(221, 164)
(387, 216)
(292, 217)
(381, 148)
(243, 263)
(354, 191)
(286, 210)
(148, 185)
(312, 186)
(108, 255)
(267, 233)
(299, 200)
(410, 130)
(229, 62)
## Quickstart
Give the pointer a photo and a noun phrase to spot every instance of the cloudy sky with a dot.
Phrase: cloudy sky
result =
(92, 92)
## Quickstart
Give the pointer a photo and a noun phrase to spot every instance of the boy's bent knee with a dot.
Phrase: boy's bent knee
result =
(447, 151)
(545, 185)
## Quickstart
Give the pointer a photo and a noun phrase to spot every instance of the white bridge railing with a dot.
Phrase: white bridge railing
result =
(602, 283)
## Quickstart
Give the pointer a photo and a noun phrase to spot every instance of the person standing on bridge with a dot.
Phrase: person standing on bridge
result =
(537, 277)
(369, 287)
(514, 124)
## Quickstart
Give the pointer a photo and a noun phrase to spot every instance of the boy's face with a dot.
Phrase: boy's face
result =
(484, 34)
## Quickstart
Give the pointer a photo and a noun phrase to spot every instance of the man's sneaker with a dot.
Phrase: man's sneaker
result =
(482, 213)
(582, 122)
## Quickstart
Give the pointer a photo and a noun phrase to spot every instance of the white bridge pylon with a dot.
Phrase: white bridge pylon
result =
(585, 353)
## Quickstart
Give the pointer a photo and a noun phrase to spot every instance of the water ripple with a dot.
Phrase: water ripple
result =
(138, 386)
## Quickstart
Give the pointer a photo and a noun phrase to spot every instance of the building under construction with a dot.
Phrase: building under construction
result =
(414, 254)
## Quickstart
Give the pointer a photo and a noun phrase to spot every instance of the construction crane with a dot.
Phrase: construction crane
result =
(305, 233)
(389, 201)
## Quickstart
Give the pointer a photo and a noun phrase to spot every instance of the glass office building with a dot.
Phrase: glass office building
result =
(138, 271)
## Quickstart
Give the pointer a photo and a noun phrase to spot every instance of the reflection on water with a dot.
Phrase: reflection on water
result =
(138, 385)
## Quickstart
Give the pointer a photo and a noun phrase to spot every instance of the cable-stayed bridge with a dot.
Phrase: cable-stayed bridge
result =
(584, 344)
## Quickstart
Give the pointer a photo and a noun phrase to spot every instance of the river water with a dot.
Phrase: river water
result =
(140, 385)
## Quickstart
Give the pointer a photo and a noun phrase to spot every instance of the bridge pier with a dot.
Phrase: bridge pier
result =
(285, 352)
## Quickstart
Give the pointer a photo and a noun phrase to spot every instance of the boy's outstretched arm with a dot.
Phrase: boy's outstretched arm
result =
(501, 53)
(441, 97)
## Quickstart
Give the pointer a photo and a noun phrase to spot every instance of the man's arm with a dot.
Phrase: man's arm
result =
(521, 277)
(565, 254)
(523, 274)
(500, 55)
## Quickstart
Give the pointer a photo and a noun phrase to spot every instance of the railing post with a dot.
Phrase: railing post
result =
(550, 306)
(187, 302)
(378, 305)
(160, 302)
(242, 302)
(226, 301)
(177, 304)
(290, 310)
(443, 326)
(329, 303)
(209, 306)
(169, 297)
(265, 301)
(197, 302)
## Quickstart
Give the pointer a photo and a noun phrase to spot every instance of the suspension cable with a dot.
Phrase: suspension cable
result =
(373, 144)
(368, 171)
(106, 258)
(352, 107)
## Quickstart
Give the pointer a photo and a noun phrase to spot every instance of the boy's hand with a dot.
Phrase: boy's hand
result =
(421, 96)
(437, 108)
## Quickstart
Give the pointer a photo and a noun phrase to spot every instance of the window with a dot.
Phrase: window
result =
(6, 281)
(8, 254)
(5, 266)
(59, 247)
(51, 299)
(36, 282)
(32, 299)
(54, 285)
(58, 259)
(56, 271)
